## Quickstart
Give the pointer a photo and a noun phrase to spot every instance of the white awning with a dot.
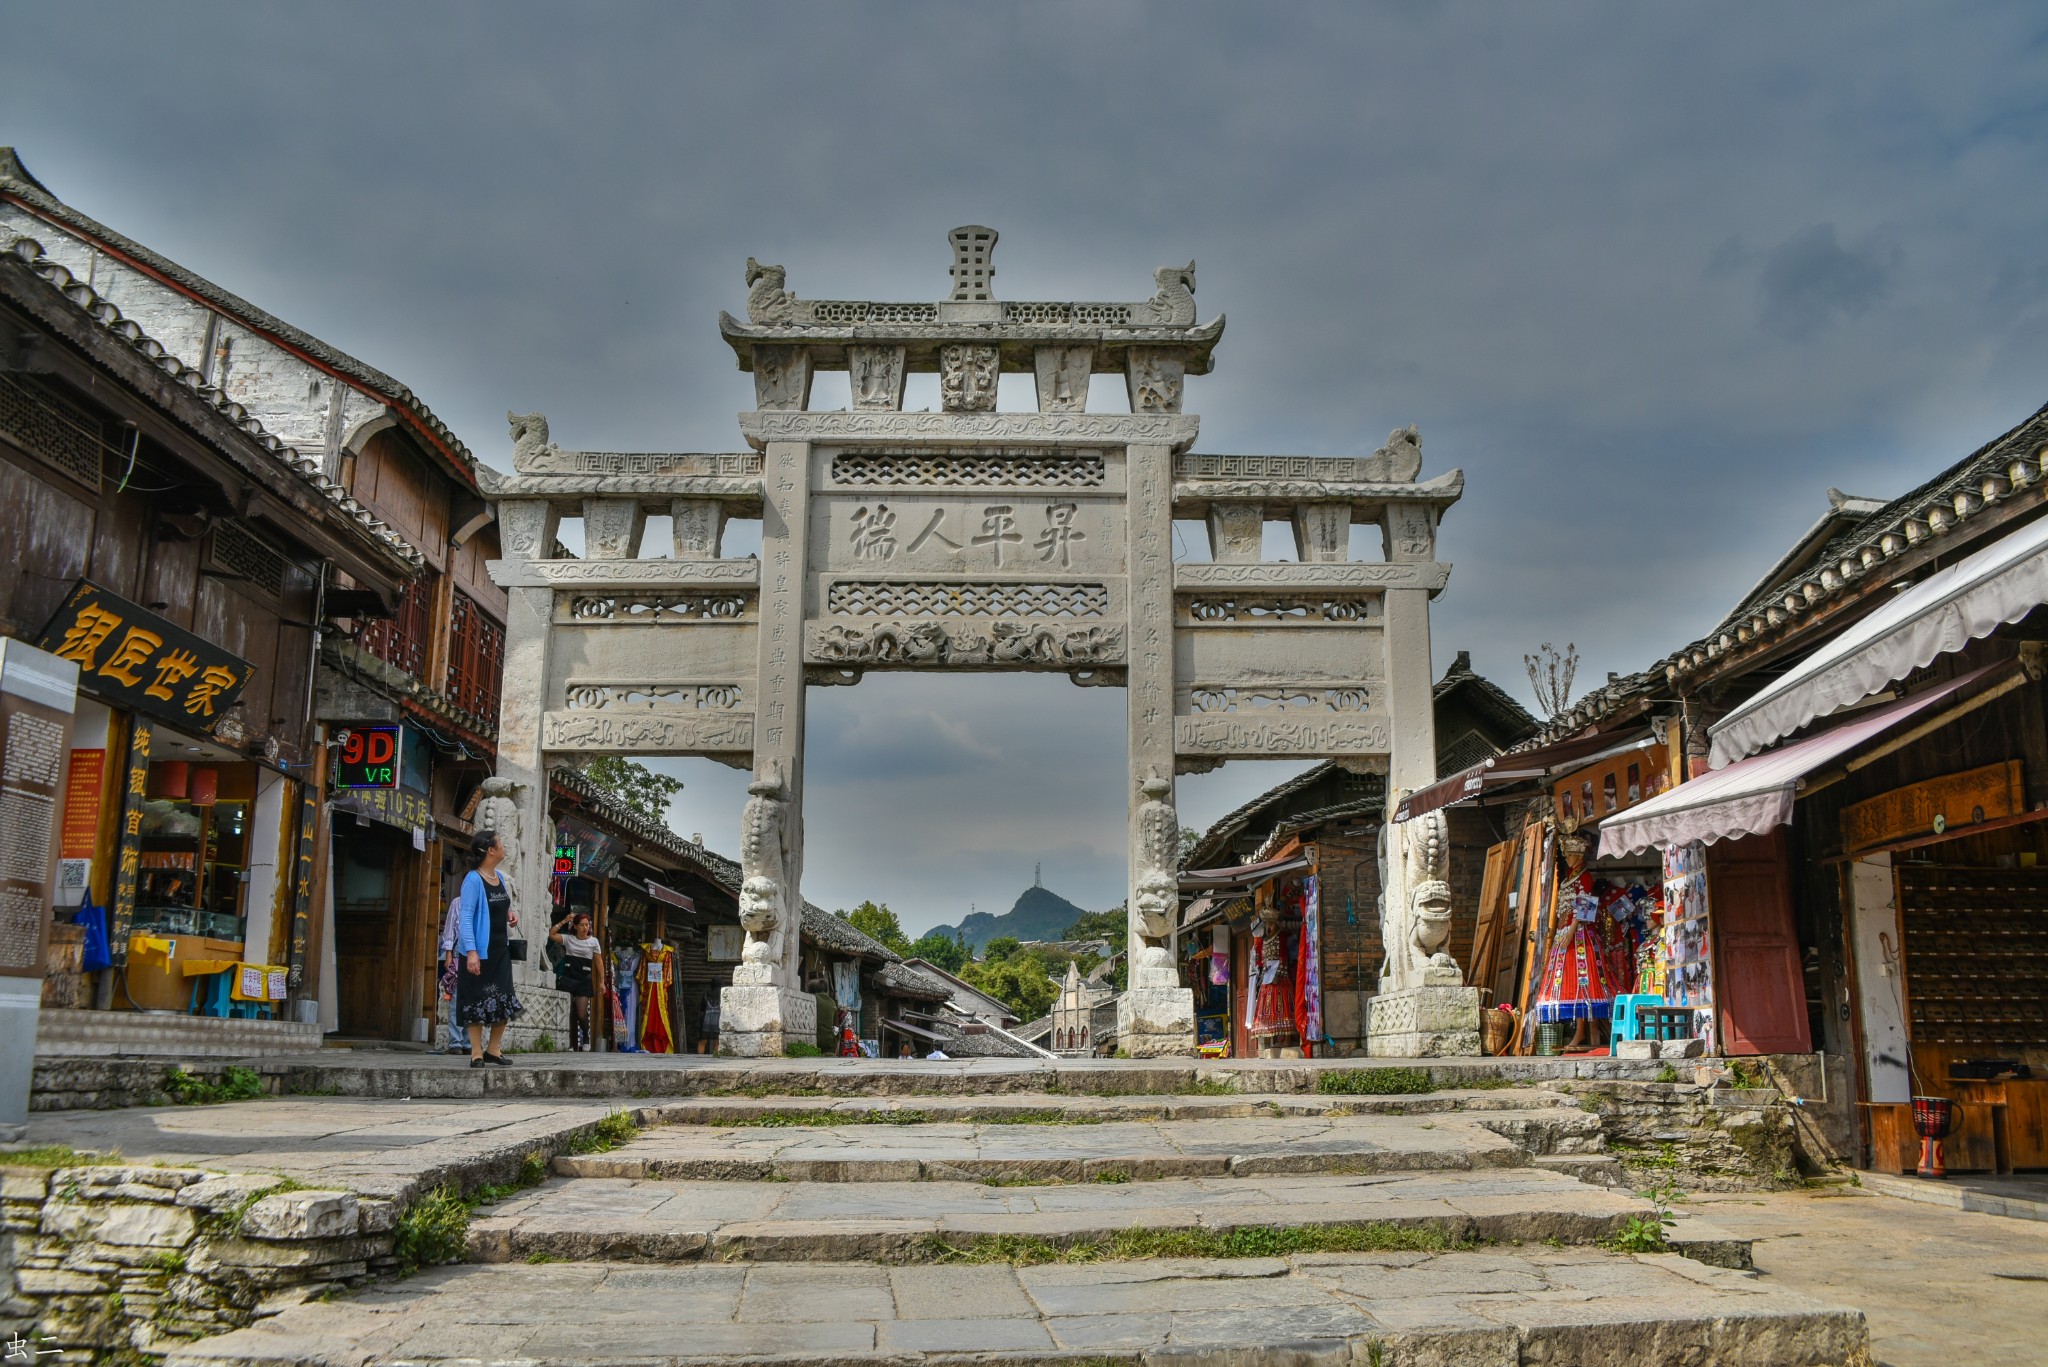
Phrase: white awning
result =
(1943, 613)
(1753, 795)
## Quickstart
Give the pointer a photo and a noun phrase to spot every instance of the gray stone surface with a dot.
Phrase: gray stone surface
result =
(1485, 1309)
(1139, 1150)
(813, 1221)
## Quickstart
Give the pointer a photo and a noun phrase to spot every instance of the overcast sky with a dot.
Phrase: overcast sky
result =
(1654, 276)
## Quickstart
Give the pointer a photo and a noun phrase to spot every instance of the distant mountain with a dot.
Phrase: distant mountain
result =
(1039, 914)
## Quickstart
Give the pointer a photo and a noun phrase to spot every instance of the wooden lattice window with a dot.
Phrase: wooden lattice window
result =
(476, 658)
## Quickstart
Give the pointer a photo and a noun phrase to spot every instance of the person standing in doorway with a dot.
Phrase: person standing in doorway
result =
(580, 951)
(484, 999)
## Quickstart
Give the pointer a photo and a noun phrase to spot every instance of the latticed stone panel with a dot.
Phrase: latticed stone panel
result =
(992, 470)
(968, 598)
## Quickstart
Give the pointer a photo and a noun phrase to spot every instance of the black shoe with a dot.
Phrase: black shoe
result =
(497, 1060)
(476, 1063)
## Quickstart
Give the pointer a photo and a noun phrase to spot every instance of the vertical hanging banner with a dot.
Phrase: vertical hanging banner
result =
(128, 866)
(302, 882)
(37, 698)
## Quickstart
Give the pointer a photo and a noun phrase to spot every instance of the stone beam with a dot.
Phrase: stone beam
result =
(1171, 431)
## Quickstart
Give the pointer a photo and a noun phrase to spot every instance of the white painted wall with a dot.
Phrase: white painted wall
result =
(268, 816)
(1880, 989)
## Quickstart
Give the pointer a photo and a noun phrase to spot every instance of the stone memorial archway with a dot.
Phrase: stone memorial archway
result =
(969, 540)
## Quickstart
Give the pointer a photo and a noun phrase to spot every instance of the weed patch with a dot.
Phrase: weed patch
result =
(187, 1088)
(1667, 1074)
(1249, 1242)
(54, 1156)
(433, 1230)
(1374, 1082)
(797, 1048)
(617, 1127)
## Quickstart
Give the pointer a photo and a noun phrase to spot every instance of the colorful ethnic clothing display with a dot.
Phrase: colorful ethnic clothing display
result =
(657, 972)
(1579, 974)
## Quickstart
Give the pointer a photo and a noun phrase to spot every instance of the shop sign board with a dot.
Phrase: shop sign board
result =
(1953, 802)
(1613, 785)
(82, 804)
(565, 860)
(368, 756)
(145, 663)
(302, 883)
(128, 864)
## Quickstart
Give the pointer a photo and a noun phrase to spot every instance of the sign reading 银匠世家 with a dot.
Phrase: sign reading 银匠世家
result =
(130, 656)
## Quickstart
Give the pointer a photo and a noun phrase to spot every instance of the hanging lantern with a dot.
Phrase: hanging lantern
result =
(172, 778)
(205, 787)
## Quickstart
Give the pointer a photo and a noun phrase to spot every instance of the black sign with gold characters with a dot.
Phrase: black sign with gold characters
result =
(129, 655)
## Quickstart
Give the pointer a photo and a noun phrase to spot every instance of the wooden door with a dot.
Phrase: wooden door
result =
(369, 903)
(1759, 990)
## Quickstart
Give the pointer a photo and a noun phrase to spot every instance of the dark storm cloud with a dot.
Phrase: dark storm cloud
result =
(1655, 277)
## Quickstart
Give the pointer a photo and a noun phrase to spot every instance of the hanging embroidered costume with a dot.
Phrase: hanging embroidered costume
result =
(1578, 977)
(626, 1003)
(1273, 1007)
(657, 970)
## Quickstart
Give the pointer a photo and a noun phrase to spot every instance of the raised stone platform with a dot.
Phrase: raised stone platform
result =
(1492, 1308)
(1075, 1148)
(65, 1033)
(895, 1221)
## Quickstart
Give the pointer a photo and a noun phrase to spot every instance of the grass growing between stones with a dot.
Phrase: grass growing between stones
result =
(55, 1156)
(1249, 1242)
(617, 1127)
(1374, 1082)
(187, 1088)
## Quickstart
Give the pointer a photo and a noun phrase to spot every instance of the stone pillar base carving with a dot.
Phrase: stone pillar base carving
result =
(1437, 1021)
(1156, 1022)
(760, 1022)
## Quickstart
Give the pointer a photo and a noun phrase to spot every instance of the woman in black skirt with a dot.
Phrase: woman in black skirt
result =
(483, 990)
(580, 951)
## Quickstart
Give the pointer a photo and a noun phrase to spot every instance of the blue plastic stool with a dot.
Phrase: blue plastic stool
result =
(1627, 1024)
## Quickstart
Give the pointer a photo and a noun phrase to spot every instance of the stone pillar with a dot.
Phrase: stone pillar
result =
(1423, 1006)
(765, 1008)
(516, 798)
(1156, 1015)
(696, 527)
(1237, 532)
(1322, 532)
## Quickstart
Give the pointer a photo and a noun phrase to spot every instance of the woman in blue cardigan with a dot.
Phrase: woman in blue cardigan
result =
(483, 990)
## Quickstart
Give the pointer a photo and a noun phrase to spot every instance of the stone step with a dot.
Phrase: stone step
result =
(592, 1218)
(1487, 1308)
(1021, 1107)
(1598, 1169)
(924, 1151)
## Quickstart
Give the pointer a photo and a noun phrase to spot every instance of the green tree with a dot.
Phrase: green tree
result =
(635, 785)
(1019, 982)
(877, 922)
(1111, 925)
(1001, 948)
(943, 951)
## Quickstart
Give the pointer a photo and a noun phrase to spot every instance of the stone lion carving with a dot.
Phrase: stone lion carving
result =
(1414, 935)
(1399, 461)
(767, 300)
(1174, 304)
(529, 436)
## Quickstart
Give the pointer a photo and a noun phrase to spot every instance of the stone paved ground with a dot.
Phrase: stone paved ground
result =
(604, 1217)
(1482, 1309)
(1134, 1149)
(1942, 1288)
(378, 1148)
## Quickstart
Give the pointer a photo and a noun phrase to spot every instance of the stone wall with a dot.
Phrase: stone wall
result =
(1701, 1138)
(108, 1258)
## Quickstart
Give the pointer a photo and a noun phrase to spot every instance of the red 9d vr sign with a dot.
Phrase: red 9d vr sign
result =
(366, 757)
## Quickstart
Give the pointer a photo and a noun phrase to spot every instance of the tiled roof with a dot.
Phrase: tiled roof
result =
(2000, 471)
(1998, 474)
(17, 183)
(1502, 710)
(906, 981)
(30, 252)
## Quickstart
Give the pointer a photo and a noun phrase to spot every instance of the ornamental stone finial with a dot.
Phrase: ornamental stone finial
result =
(973, 269)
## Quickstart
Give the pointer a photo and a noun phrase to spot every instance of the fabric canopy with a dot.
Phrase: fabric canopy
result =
(1242, 878)
(1753, 795)
(670, 896)
(1944, 612)
(910, 1029)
